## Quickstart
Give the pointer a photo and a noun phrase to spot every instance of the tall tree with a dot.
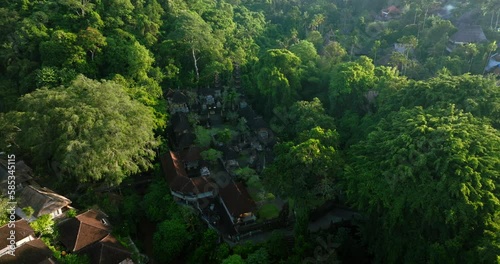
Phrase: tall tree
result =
(311, 160)
(301, 116)
(349, 83)
(192, 32)
(427, 181)
(90, 130)
(91, 40)
(278, 78)
(170, 240)
(471, 93)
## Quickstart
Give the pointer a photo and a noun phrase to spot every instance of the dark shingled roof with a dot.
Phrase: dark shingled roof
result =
(32, 252)
(180, 123)
(257, 123)
(177, 96)
(468, 18)
(107, 251)
(469, 34)
(22, 228)
(229, 153)
(48, 261)
(248, 113)
(42, 200)
(191, 154)
(185, 140)
(177, 177)
(83, 230)
(23, 174)
(206, 91)
(237, 199)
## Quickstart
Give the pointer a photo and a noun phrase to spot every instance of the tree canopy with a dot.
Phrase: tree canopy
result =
(89, 130)
(426, 179)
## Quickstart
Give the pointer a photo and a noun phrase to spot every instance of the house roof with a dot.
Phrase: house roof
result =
(180, 123)
(257, 123)
(32, 252)
(177, 177)
(22, 228)
(392, 10)
(493, 62)
(177, 96)
(23, 172)
(48, 261)
(229, 153)
(468, 18)
(42, 200)
(206, 91)
(237, 199)
(469, 34)
(185, 140)
(106, 251)
(83, 230)
(248, 113)
(191, 154)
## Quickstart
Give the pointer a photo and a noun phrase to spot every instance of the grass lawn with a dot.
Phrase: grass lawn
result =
(268, 211)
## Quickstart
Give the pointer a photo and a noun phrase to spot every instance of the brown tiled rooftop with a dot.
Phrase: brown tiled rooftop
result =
(191, 154)
(237, 199)
(32, 252)
(83, 230)
(22, 228)
(180, 123)
(42, 200)
(177, 178)
(107, 251)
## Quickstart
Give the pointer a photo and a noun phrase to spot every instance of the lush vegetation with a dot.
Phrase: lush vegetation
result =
(407, 136)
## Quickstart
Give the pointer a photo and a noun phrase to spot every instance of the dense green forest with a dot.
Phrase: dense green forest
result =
(374, 107)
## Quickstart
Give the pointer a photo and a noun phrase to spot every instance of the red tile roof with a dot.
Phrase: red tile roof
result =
(177, 178)
(22, 228)
(393, 9)
(32, 252)
(237, 199)
(83, 230)
(191, 154)
(107, 251)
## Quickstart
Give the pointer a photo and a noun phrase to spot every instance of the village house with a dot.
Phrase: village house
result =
(211, 188)
(237, 202)
(29, 249)
(177, 101)
(107, 251)
(180, 131)
(390, 12)
(183, 187)
(89, 233)
(43, 201)
(23, 234)
(402, 48)
(191, 157)
(493, 64)
(466, 34)
(24, 176)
